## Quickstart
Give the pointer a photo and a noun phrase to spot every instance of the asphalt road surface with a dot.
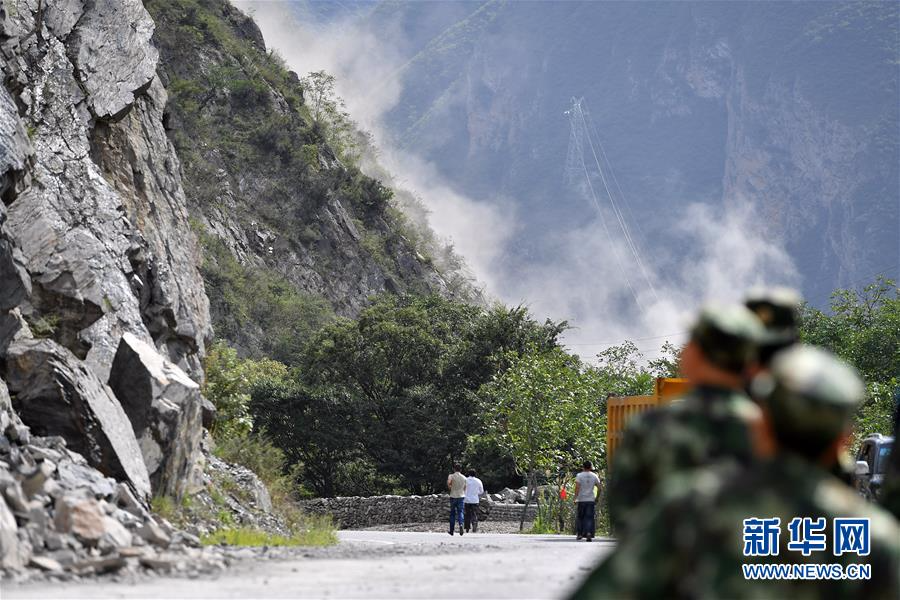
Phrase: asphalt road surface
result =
(373, 564)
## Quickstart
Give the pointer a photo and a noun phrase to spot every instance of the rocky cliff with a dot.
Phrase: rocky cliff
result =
(95, 202)
(103, 314)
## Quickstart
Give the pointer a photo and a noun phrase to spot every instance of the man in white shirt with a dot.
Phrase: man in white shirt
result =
(456, 483)
(474, 491)
(585, 500)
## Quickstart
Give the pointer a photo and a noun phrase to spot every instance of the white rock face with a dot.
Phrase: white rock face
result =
(105, 235)
(113, 56)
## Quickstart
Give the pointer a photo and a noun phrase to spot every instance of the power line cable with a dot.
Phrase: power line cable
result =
(636, 222)
(606, 228)
(619, 217)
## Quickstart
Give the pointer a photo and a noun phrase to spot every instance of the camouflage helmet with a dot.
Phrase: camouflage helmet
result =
(810, 396)
(727, 335)
(778, 308)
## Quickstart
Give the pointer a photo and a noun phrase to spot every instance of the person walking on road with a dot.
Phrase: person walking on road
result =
(456, 483)
(474, 491)
(586, 501)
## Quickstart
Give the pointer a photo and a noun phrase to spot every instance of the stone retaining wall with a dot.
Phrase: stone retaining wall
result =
(356, 512)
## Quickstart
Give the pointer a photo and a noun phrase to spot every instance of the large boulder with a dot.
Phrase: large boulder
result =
(112, 54)
(164, 406)
(56, 394)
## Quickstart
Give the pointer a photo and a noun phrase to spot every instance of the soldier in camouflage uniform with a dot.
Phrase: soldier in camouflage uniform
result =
(778, 309)
(689, 540)
(713, 421)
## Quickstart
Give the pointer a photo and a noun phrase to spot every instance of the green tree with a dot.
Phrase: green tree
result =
(547, 411)
(863, 328)
(393, 361)
(330, 118)
(403, 378)
(668, 363)
(318, 429)
(621, 371)
(229, 382)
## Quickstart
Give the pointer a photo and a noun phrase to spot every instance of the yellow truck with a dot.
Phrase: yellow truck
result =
(619, 409)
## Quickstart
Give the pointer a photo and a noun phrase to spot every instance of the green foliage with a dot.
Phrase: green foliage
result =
(318, 532)
(668, 363)
(43, 326)
(621, 372)
(875, 415)
(317, 428)
(310, 154)
(330, 118)
(863, 328)
(555, 514)
(164, 506)
(547, 410)
(229, 381)
(387, 401)
(259, 453)
(494, 463)
(239, 121)
(373, 243)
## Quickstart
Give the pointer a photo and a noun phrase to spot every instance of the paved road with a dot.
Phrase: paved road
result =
(375, 564)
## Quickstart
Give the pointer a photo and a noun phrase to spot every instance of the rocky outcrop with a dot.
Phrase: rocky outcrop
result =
(56, 394)
(112, 55)
(95, 245)
(14, 152)
(275, 198)
(164, 407)
(97, 231)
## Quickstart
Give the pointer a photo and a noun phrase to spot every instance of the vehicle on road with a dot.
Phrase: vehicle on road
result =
(871, 461)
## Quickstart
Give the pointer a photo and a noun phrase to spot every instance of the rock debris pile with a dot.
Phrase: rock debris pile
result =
(61, 516)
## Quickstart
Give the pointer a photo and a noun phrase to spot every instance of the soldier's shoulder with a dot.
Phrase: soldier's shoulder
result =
(722, 403)
(836, 499)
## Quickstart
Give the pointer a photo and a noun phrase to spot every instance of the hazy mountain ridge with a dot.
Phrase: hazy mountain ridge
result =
(786, 108)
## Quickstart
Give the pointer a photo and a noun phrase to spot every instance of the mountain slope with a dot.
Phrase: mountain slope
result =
(292, 229)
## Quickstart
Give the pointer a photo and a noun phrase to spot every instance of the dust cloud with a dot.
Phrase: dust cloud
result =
(726, 247)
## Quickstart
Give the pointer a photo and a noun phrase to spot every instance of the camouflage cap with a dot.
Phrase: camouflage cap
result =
(728, 335)
(810, 395)
(778, 308)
